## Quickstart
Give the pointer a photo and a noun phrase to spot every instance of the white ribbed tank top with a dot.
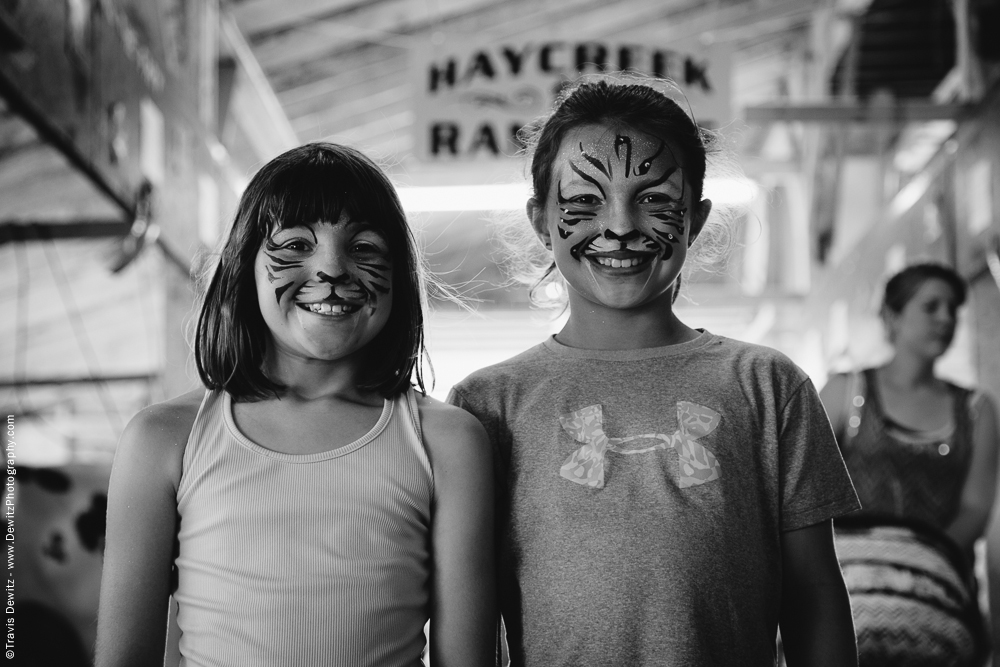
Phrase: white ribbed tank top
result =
(314, 560)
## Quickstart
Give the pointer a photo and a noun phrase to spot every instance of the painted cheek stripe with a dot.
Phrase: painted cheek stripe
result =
(672, 218)
(281, 289)
(577, 250)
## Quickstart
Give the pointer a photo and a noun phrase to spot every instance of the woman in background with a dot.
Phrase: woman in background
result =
(922, 452)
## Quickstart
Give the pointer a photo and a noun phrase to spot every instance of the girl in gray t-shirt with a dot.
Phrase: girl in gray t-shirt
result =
(664, 495)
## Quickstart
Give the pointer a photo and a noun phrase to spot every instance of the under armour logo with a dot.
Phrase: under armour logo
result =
(696, 465)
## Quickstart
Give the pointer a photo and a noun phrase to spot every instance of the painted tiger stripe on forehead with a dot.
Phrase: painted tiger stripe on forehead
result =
(621, 140)
(587, 177)
(607, 171)
(647, 164)
(664, 178)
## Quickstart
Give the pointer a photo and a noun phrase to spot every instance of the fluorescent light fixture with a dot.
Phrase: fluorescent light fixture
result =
(513, 196)
(730, 191)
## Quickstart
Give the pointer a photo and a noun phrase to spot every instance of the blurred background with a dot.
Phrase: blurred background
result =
(867, 131)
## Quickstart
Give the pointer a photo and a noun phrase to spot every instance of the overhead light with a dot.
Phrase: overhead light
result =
(513, 196)
(730, 191)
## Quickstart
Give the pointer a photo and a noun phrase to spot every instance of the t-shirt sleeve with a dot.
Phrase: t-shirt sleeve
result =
(815, 485)
(462, 397)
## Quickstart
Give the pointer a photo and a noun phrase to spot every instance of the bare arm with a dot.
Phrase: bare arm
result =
(986, 439)
(817, 628)
(463, 607)
(979, 491)
(141, 531)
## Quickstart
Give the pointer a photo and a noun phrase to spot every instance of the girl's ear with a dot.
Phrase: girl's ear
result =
(536, 215)
(698, 218)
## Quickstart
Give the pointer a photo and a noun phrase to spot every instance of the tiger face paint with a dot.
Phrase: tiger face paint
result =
(617, 215)
(324, 288)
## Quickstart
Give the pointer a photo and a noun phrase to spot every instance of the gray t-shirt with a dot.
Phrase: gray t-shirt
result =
(641, 497)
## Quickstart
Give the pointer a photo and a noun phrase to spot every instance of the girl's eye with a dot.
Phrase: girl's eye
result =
(655, 198)
(585, 200)
(366, 247)
(295, 245)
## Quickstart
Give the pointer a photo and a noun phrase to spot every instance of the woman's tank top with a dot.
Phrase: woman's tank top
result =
(317, 559)
(903, 473)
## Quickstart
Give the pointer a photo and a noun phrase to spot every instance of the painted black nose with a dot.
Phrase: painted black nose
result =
(333, 280)
(624, 238)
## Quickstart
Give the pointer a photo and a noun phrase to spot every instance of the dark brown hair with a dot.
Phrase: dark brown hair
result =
(902, 286)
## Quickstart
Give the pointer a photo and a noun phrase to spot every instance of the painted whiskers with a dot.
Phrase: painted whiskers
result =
(666, 213)
(362, 281)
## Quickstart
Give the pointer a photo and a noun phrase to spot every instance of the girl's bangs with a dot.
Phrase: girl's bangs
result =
(309, 194)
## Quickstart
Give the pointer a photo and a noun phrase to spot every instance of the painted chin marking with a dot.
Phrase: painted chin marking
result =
(330, 309)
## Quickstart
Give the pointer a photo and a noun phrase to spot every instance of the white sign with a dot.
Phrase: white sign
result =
(471, 98)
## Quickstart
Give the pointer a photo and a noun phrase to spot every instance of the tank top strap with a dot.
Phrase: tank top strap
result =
(407, 402)
(205, 437)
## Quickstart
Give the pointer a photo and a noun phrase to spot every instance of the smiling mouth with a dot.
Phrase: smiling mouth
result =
(330, 309)
(621, 262)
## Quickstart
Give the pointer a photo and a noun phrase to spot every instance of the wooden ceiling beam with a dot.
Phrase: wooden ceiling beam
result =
(348, 66)
(741, 22)
(391, 23)
(44, 230)
(261, 16)
(344, 108)
(360, 134)
(898, 112)
(357, 74)
(378, 15)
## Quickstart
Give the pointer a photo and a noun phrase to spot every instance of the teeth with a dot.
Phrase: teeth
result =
(619, 263)
(328, 308)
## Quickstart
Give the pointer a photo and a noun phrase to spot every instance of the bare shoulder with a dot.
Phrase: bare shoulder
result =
(983, 406)
(984, 415)
(442, 421)
(455, 440)
(156, 436)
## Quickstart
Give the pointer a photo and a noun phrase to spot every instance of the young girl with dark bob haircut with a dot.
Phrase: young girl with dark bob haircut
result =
(231, 337)
(315, 509)
(664, 495)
